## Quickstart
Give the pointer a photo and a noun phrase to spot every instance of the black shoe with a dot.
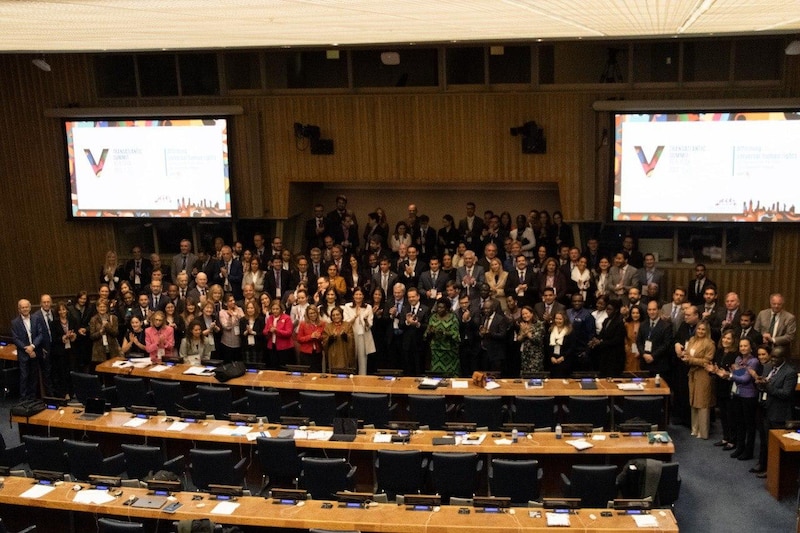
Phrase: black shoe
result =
(737, 453)
(720, 443)
(745, 457)
(756, 470)
(729, 446)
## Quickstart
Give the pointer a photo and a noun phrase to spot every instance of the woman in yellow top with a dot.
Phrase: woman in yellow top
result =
(698, 353)
(496, 279)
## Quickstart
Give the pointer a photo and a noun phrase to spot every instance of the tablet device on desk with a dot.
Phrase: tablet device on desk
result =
(150, 502)
(95, 407)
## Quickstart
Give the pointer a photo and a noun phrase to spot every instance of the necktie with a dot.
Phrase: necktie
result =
(730, 316)
(652, 324)
(155, 301)
(385, 282)
(772, 324)
(772, 372)
(521, 276)
(697, 286)
(434, 276)
(316, 269)
(399, 306)
(277, 279)
(183, 267)
(414, 310)
(183, 294)
(202, 292)
(547, 309)
(674, 311)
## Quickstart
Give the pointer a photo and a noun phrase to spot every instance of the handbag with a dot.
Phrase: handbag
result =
(228, 371)
(28, 408)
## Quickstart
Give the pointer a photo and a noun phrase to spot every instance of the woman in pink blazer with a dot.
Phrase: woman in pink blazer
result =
(278, 330)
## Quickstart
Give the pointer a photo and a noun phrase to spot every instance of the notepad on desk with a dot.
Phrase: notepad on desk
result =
(93, 497)
(645, 520)
(460, 384)
(135, 422)
(37, 491)
(580, 444)
(557, 519)
(225, 508)
(199, 371)
(159, 368)
(630, 386)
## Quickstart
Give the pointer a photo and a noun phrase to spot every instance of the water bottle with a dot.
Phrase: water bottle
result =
(558, 431)
(514, 435)
(658, 380)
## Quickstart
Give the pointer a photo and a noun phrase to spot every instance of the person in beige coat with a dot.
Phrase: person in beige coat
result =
(698, 353)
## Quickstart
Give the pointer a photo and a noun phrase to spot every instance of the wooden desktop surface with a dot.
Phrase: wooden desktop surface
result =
(260, 512)
(544, 443)
(399, 386)
(782, 464)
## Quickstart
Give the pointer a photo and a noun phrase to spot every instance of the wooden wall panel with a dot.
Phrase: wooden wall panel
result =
(415, 137)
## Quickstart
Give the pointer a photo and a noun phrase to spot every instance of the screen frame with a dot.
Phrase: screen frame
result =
(143, 115)
(614, 108)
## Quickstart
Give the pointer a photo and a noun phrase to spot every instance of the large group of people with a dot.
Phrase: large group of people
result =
(506, 294)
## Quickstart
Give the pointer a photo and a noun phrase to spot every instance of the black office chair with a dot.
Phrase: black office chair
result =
(324, 477)
(4, 529)
(515, 479)
(216, 467)
(373, 409)
(595, 485)
(280, 463)
(85, 459)
(109, 525)
(46, 453)
(11, 456)
(320, 407)
(168, 396)
(669, 486)
(142, 461)
(428, 410)
(647, 408)
(132, 390)
(399, 472)
(587, 410)
(453, 474)
(485, 411)
(541, 411)
(218, 401)
(89, 386)
(266, 404)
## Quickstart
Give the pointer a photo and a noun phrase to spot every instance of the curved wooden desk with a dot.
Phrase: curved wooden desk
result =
(260, 512)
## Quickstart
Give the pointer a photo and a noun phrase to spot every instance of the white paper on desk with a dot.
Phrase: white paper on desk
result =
(199, 371)
(37, 491)
(792, 435)
(471, 440)
(645, 520)
(135, 422)
(238, 431)
(140, 362)
(459, 384)
(319, 434)
(580, 444)
(122, 364)
(503, 442)
(178, 426)
(253, 436)
(224, 508)
(93, 496)
(598, 436)
(225, 431)
(430, 382)
(557, 519)
(630, 386)
(159, 368)
(492, 385)
(382, 438)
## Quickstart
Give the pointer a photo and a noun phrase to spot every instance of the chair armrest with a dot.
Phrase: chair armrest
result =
(114, 465)
(566, 484)
(290, 407)
(341, 407)
(239, 404)
(351, 481)
(28, 529)
(14, 455)
(109, 394)
(192, 401)
(176, 465)
(241, 467)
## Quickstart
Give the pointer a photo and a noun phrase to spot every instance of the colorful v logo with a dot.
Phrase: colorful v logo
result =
(97, 168)
(648, 166)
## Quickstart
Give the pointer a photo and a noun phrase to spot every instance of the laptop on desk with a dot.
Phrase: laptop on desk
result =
(94, 409)
(150, 502)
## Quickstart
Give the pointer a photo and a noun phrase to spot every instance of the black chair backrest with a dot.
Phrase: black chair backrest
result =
(428, 410)
(280, 461)
(213, 467)
(167, 395)
(485, 411)
(131, 390)
(109, 525)
(537, 410)
(141, 460)
(453, 474)
(215, 400)
(515, 479)
(647, 408)
(669, 486)
(85, 459)
(86, 386)
(371, 408)
(264, 403)
(320, 407)
(399, 472)
(595, 485)
(324, 477)
(46, 453)
(587, 410)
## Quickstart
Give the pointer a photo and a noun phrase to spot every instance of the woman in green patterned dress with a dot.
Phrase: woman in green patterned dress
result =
(531, 338)
(444, 337)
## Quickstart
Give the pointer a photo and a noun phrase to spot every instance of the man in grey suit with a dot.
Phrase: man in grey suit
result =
(673, 312)
(777, 327)
(183, 261)
(470, 275)
(385, 278)
(622, 276)
(650, 279)
(432, 283)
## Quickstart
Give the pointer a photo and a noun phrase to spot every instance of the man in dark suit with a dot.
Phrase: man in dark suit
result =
(470, 229)
(729, 316)
(469, 324)
(303, 274)
(335, 218)
(276, 279)
(143, 309)
(469, 275)
(413, 324)
(494, 337)
(184, 261)
(674, 311)
(548, 306)
(747, 330)
(694, 292)
(711, 312)
(777, 384)
(521, 282)
(138, 269)
(230, 273)
(411, 269)
(655, 342)
(205, 264)
(315, 229)
(385, 279)
(396, 309)
(432, 283)
(651, 277)
(30, 338)
(424, 238)
(156, 299)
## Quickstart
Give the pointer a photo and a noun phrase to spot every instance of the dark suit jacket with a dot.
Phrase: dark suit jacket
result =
(427, 250)
(162, 302)
(531, 294)
(611, 351)
(38, 338)
(472, 238)
(780, 394)
(269, 282)
(693, 296)
(211, 269)
(391, 280)
(146, 269)
(495, 342)
(311, 280)
(663, 346)
(412, 335)
(539, 309)
(235, 276)
(310, 234)
(426, 283)
(411, 281)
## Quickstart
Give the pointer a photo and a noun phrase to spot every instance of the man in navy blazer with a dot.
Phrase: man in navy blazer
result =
(31, 340)
(777, 388)
(655, 341)
(432, 283)
(230, 273)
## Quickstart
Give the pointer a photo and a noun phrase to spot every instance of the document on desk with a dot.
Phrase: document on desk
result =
(37, 491)
(225, 508)
(255, 434)
(159, 368)
(630, 386)
(93, 497)
(459, 384)
(492, 385)
(178, 426)
(474, 439)
(645, 520)
(382, 438)
(122, 364)
(580, 444)
(198, 371)
(135, 422)
(557, 519)
(792, 435)
(231, 431)
(140, 362)
(312, 434)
